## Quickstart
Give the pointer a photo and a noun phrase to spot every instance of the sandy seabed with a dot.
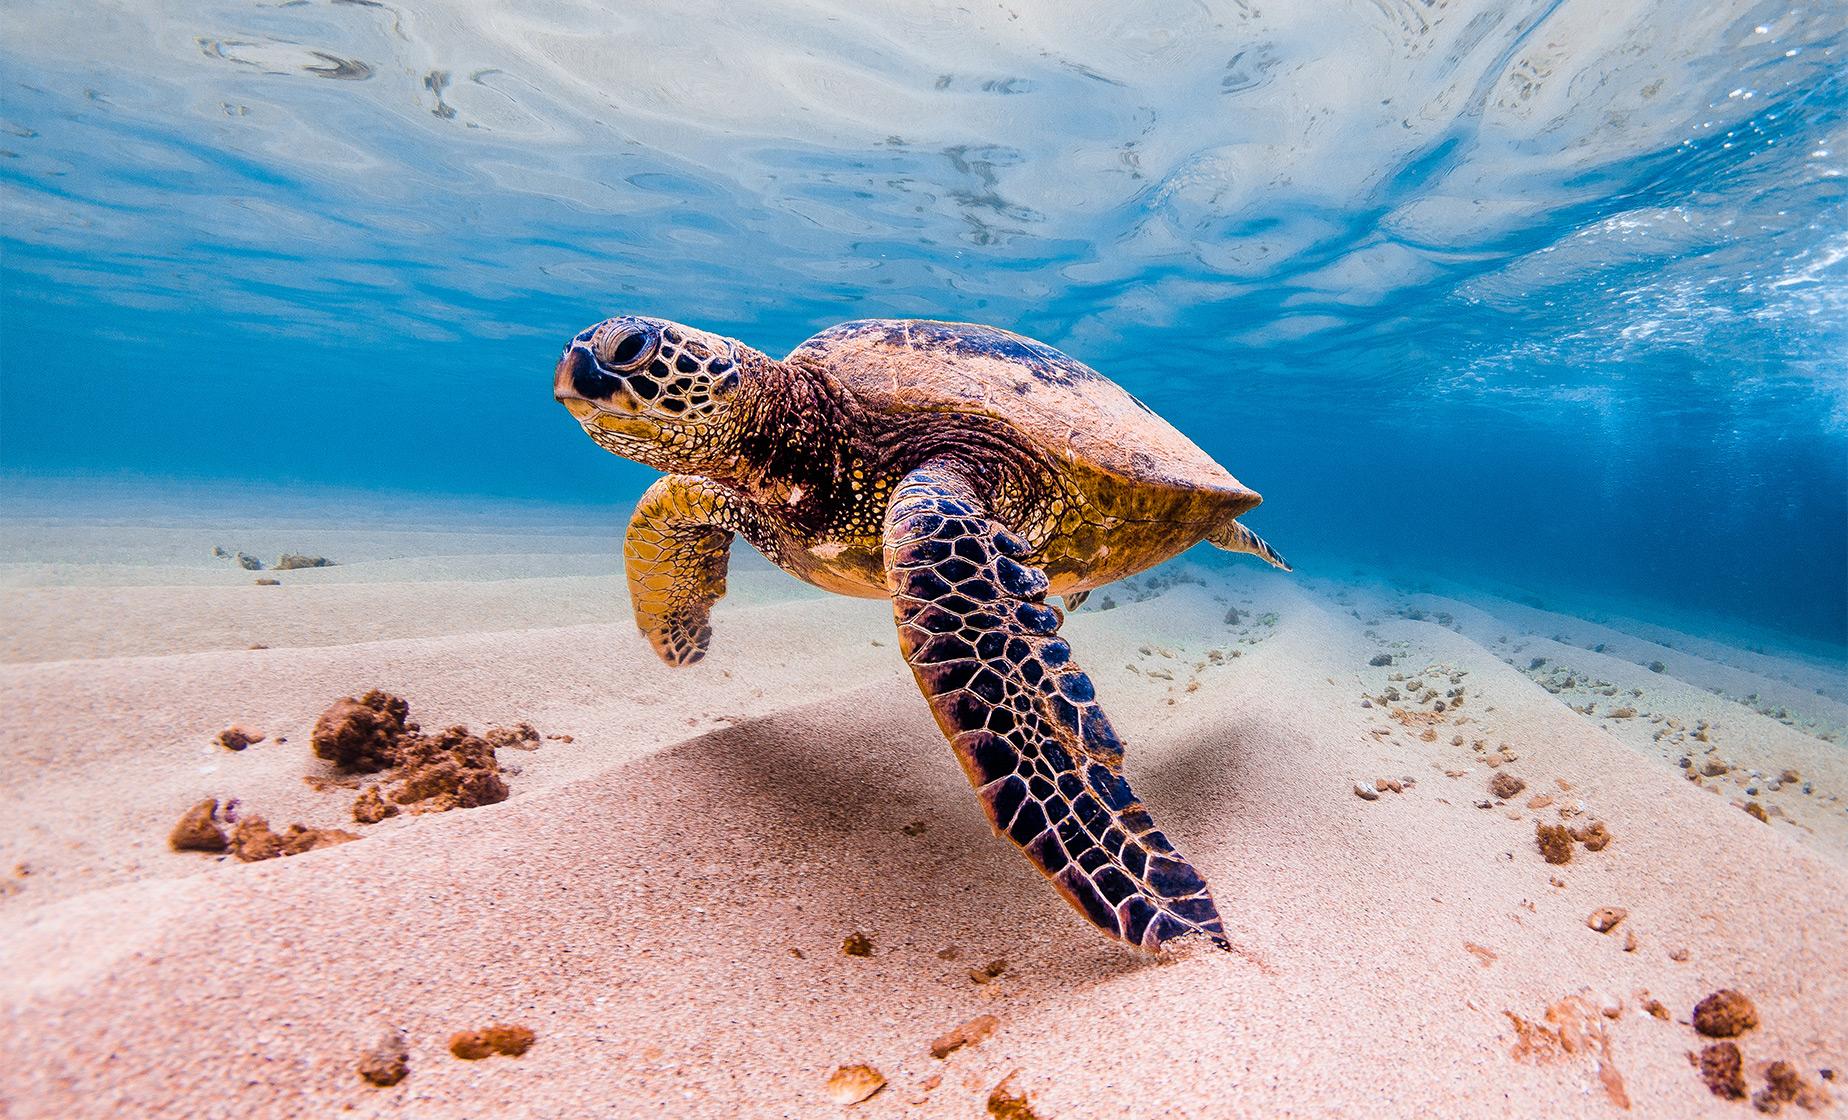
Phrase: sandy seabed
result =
(663, 899)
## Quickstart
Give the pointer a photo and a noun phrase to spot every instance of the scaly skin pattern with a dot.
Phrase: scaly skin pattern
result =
(1023, 718)
(676, 553)
(964, 472)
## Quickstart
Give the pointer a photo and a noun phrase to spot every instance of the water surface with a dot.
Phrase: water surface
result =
(1549, 294)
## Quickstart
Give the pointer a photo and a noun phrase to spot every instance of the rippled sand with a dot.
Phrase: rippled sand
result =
(663, 900)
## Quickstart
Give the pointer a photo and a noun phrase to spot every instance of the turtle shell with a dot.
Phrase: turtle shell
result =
(1069, 410)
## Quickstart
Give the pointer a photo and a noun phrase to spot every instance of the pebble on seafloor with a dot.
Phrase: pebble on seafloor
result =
(853, 1084)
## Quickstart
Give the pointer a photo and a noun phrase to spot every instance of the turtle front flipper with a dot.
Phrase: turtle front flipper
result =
(676, 554)
(1022, 718)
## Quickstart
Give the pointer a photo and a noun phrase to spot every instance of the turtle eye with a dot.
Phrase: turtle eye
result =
(628, 347)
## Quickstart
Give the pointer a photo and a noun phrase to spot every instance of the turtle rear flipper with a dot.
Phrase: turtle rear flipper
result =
(1234, 537)
(1022, 717)
(676, 553)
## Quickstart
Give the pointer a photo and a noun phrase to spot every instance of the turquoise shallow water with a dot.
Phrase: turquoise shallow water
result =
(1548, 295)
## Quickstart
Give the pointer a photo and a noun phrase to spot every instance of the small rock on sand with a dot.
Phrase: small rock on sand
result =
(1505, 785)
(502, 1038)
(236, 738)
(989, 971)
(1366, 792)
(968, 1034)
(197, 832)
(1606, 918)
(853, 1084)
(857, 944)
(388, 1062)
(1725, 1014)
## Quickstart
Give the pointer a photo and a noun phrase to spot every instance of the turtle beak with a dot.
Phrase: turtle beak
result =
(575, 371)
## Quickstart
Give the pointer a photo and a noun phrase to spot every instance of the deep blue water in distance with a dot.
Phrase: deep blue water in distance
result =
(1552, 294)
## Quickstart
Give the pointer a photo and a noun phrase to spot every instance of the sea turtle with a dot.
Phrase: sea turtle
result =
(963, 472)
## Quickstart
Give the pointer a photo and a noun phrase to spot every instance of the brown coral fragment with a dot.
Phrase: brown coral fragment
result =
(452, 770)
(1554, 842)
(968, 1034)
(197, 832)
(521, 736)
(388, 1062)
(1505, 785)
(1725, 1014)
(361, 734)
(857, 944)
(254, 840)
(1754, 809)
(1723, 1069)
(370, 808)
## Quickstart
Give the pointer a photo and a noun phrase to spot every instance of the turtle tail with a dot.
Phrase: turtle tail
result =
(1233, 537)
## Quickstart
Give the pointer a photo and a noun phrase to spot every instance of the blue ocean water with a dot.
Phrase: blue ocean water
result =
(1551, 294)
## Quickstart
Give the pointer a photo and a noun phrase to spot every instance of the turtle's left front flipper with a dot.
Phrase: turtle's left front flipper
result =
(676, 553)
(1022, 717)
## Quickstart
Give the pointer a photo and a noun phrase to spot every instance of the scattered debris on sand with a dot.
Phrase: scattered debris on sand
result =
(254, 840)
(1723, 1069)
(988, 972)
(1554, 842)
(197, 831)
(452, 769)
(853, 1084)
(1005, 1104)
(1784, 1085)
(1754, 809)
(521, 736)
(371, 808)
(1595, 836)
(1482, 953)
(857, 944)
(289, 561)
(269, 583)
(1573, 1027)
(1725, 1014)
(968, 1034)
(503, 1038)
(236, 738)
(388, 1062)
(1607, 918)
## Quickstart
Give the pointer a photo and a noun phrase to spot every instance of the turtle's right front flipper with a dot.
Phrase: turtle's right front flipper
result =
(676, 553)
(1022, 717)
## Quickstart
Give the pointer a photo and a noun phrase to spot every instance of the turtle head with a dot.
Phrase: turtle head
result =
(654, 391)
